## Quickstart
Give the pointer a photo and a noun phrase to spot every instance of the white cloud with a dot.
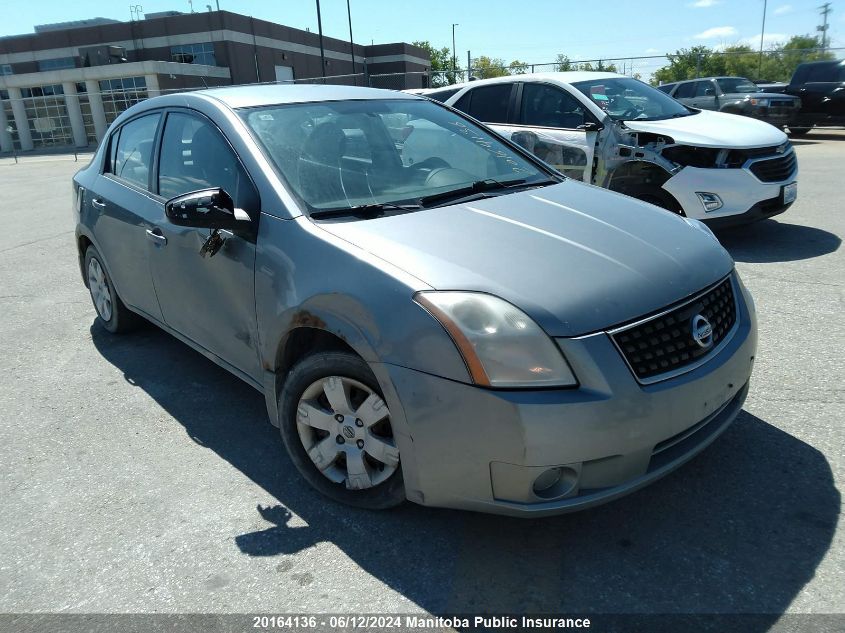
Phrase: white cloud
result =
(783, 9)
(651, 51)
(717, 32)
(705, 4)
(769, 39)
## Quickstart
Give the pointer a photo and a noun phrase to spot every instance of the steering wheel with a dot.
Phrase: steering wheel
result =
(444, 176)
(631, 112)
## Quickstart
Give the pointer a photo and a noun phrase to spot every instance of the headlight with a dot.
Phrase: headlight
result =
(759, 102)
(501, 345)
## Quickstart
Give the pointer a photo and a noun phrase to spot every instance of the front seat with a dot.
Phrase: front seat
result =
(212, 165)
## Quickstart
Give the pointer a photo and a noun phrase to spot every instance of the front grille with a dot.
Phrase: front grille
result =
(665, 343)
(738, 157)
(783, 104)
(775, 169)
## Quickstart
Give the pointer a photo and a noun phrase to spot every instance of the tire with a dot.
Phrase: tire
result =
(799, 131)
(326, 439)
(112, 314)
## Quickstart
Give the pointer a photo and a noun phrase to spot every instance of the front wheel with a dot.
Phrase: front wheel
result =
(658, 197)
(337, 430)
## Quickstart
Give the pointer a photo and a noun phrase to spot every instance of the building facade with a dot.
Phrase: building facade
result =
(65, 83)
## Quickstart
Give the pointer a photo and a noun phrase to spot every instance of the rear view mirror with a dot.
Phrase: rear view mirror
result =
(206, 209)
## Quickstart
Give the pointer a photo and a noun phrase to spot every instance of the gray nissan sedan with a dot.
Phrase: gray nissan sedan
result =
(431, 313)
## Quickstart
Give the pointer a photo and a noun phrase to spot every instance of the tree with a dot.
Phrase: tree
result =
(740, 60)
(517, 67)
(485, 67)
(563, 64)
(441, 64)
(600, 67)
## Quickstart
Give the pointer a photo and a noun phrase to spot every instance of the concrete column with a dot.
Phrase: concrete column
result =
(153, 89)
(21, 123)
(74, 113)
(97, 112)
(5, 137)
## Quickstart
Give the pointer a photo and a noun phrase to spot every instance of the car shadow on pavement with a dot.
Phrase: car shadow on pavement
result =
(771, 240)
(739, 529)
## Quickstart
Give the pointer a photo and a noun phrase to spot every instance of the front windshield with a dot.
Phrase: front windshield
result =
(731, 85)
(340, 154)
(624, 98)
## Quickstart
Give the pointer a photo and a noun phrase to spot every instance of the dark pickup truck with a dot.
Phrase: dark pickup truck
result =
(821, 88)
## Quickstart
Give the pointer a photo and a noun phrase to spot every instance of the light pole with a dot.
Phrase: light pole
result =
(454, 58)
(351, 45)
(322, 52)
(762, 33)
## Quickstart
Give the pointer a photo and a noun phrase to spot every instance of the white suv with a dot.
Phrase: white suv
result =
(620, 133)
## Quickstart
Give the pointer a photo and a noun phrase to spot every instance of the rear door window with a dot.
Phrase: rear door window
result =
(132, 154)
(487, 103)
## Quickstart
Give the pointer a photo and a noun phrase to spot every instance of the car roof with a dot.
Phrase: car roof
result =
(273, 94)
(686, 81)
(567, 77)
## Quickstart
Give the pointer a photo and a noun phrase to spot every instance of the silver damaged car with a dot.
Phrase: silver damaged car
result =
(431, 313)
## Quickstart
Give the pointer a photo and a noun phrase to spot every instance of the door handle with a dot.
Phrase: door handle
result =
(99, 203)
(156, 236)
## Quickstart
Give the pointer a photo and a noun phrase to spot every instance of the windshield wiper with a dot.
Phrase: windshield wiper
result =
(368, 211)
(479, 188)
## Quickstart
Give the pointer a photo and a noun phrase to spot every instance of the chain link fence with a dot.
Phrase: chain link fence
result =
(768, 66)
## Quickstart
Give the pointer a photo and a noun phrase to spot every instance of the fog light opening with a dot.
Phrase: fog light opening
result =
(555, 482)
(710, 201)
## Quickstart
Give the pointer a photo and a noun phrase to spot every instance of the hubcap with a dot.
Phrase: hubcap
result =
(100, 292)
(345, 428)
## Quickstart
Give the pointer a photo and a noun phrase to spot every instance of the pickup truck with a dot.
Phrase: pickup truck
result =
(821, 88)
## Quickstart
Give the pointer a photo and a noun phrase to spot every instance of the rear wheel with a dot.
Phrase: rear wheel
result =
(337, 430)
(112, 314)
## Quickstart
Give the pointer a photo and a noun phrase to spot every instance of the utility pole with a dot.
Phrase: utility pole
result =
(322, 52)
(825, 11)
(454, 58)
(351, 45)
(762, 33)
(469, 65)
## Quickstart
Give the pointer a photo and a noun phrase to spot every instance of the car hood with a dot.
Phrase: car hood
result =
(714, 129)
(760, 95)
(576, 258)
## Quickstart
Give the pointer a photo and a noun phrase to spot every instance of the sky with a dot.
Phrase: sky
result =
(535, 33)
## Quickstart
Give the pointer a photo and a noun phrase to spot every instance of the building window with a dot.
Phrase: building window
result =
(57, 64)
(119, 94)
(46, 116)
(6, 69)
(202, 53)
(43, 91)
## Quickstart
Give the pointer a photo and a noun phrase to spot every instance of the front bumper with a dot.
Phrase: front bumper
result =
(482, 449)
(739, 190)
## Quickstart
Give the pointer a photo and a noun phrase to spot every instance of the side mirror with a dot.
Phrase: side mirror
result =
(590, 126)
(206, 209)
